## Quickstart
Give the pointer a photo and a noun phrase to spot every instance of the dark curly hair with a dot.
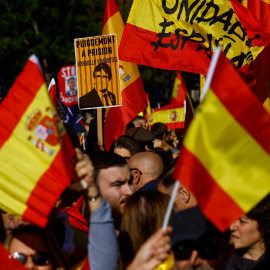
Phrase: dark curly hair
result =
(128, 143)
(261, 213)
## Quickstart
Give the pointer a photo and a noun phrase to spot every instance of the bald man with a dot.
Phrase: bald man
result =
(145, 167)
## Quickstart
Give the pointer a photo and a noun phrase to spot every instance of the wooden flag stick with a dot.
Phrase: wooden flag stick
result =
(99, 126)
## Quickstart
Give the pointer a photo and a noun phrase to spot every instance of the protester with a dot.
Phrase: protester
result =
(250, 236)
(36, 248)
(126, 147)
(160, 132)
(146, 167)
(113, 178)
(143, 216)
(184, 198)
(196, 243)
(139, 121)
(143, 136)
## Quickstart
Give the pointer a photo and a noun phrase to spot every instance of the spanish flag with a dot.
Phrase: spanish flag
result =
(181, 35)
(133, 95)
(225, 156)
(179, 89)
(173, 115)
(35, 150)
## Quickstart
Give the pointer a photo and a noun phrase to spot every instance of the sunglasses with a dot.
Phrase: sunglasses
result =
(41, 258)
(183, 252)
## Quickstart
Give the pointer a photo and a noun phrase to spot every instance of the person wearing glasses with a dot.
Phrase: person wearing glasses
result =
(36, 248)
(145, 167)
(99, 96)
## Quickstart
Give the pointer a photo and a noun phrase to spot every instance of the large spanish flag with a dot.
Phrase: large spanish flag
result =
(133, 95)
(181, 35)
(173, 115)
(225, 156)
(35, 150)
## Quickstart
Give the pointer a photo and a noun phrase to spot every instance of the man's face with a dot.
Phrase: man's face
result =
(71, 84)
(102, 80)
(115, 186)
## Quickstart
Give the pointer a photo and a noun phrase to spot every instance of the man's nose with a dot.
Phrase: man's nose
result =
(127, 189)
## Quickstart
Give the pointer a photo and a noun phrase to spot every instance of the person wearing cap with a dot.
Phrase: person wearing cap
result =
(196, 243)
(145, 167)
(160, 132)
(143, 136)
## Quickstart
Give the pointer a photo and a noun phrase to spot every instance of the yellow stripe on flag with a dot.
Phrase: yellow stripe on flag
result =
(150, 14)
(35, 162)
(169, 116)
(229, 162)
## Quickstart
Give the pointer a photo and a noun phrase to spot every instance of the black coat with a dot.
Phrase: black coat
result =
(92, 99)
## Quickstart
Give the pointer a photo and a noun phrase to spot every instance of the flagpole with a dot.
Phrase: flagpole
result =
(210, 72)
(170, 206)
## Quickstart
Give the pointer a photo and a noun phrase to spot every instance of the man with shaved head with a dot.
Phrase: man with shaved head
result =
(145, 167)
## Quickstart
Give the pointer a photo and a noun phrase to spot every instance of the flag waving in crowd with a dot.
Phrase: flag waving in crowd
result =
(35, 151)
(133, 95)
(181, 35)
(225, 155)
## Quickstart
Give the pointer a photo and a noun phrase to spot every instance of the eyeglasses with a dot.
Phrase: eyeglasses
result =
(133, 169)
(41, 258)
(183, 252)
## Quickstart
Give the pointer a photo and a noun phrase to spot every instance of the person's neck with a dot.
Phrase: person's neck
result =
(255, 252)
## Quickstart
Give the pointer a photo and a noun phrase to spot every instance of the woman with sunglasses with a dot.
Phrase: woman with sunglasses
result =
(250, 237)
(36, 248)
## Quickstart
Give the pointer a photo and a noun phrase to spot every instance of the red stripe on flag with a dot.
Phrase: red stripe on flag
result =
(189, 168)
(177, 125)
(134, 102)
(9, 263)
(110, 9)
(137, 40)
(50, 185)
(21, 98)
(246, 113)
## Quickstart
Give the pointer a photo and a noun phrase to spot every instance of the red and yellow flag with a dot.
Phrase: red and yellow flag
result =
(257, 74)
(133, 95)
(179, 89)
(261, 9)
(35, 150)
(181, 35)
(173, 115)
(225, 154)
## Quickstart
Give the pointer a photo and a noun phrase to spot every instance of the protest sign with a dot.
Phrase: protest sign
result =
(97, 71)
(67, 85)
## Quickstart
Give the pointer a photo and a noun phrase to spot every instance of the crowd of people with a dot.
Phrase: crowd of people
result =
(111, 215)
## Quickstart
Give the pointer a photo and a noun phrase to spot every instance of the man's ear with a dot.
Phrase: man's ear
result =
(136, 177)
(184, 194)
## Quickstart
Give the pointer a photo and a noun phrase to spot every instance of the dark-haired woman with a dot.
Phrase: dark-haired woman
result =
(250, 236)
